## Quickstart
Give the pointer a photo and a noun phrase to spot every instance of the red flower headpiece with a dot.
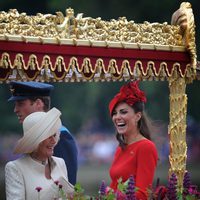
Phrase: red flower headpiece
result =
(129, 93)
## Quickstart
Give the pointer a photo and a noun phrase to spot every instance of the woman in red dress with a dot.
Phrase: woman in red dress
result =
(136, 154)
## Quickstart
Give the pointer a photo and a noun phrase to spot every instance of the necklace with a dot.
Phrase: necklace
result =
(43, 162)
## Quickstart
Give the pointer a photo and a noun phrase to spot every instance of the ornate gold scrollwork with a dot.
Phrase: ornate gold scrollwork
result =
(5, 61)
(18, 67)
(184, 17)
(59, 70)
(177, 128)
(46, 69)
(86, 70)
(60, 27)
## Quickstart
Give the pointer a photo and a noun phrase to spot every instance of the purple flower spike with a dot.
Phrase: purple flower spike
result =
(186, 183)
(172, 187)
(130, 192)
(102, 189)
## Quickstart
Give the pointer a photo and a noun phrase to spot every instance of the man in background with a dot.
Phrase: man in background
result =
(30, 97)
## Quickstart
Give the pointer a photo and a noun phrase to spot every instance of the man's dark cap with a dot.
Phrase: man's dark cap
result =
(25, 90)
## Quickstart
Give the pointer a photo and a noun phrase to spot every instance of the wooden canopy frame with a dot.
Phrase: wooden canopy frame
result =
(58, 48)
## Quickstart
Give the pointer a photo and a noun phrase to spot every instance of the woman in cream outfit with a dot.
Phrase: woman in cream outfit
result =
(37, 169)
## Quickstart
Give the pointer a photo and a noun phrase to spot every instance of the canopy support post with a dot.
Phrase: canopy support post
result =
(177, 129)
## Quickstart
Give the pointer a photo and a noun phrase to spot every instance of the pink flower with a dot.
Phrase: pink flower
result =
(120, 195)
(192, 190)
(161, 191)
(38, 189)
(56, 182)
(108, 189)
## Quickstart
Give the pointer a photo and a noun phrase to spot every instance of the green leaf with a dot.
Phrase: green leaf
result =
(110, 196)
(78, 188)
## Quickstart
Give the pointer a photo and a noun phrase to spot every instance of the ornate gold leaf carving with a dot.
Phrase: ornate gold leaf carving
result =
(59, 26)
(177, 127)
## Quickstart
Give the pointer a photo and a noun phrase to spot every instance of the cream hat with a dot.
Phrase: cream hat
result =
(37, 127)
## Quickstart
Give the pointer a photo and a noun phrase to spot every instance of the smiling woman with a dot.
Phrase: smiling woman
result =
(45, 150)
(136, 155)
(38, 167)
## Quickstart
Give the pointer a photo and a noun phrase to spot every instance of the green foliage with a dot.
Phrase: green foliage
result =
(179, 196)
(122, 186)
(110, 196)
(62, 194)
(78, 188)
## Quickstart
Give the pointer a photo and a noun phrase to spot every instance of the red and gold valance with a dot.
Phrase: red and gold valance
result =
(48, 62)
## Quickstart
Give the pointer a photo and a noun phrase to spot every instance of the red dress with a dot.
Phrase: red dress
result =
(138, 159)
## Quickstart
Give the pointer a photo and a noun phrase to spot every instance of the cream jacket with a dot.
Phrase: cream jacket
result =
(24, 175)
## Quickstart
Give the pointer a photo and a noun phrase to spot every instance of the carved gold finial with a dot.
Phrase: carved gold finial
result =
(185, 19)
(68, 27)
(70, 12)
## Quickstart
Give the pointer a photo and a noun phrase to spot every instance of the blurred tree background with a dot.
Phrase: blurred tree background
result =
(84, 105)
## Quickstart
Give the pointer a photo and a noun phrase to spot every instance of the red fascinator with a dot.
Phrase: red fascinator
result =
(129, 93)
